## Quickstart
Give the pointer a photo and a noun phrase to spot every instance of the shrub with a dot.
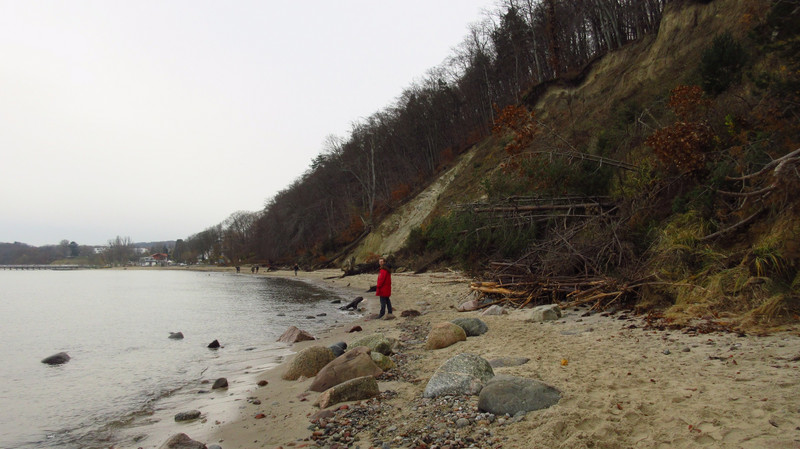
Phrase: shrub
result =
(721, 64)
(682, 145)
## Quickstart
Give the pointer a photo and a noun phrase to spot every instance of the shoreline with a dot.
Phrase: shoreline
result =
(622, 383)
(220, 406)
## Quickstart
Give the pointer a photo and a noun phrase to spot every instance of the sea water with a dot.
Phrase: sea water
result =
(115, 324)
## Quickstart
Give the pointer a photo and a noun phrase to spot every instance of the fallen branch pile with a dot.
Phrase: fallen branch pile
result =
(565, 291)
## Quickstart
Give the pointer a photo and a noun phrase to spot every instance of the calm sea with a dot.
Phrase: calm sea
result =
(114, 325)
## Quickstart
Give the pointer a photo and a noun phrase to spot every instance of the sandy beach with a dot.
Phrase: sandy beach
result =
(623, 383)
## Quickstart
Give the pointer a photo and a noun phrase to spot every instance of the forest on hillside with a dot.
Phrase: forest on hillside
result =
(390, 155)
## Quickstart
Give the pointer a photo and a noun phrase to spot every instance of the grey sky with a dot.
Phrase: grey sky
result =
(157, 119)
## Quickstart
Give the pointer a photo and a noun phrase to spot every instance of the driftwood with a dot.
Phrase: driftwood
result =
(352, 305)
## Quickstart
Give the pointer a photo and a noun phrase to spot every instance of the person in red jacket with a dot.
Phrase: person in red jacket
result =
(384, 287)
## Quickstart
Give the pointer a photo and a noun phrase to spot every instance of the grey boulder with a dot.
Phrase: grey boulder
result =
(464, 374)
(338, 348)
(472, 326)
(513, 395)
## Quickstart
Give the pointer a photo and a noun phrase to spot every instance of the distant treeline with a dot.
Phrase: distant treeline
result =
(388, 156)
(118, 251)
(22, 254)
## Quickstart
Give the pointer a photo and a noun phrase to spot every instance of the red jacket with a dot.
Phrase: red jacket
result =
(384, 287)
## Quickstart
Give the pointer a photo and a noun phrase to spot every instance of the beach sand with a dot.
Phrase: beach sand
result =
(623, 384)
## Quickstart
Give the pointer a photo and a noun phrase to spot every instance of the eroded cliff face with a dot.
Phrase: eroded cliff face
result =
(654, 64)
(391, 234)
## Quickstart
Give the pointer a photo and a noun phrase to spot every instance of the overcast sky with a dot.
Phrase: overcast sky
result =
(157, 119)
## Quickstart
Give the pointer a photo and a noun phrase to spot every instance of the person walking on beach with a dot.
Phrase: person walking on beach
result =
(296, 267)
(384, 287)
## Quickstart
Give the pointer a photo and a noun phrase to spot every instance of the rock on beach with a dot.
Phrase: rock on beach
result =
(352, 364)
(182, 441)
(187, 416)
(512, 395)
(308, 362)
(294, 334)
(540, 314)
(473, 327)
(375, 343)
(443, 335)
(464, 374)
(353, 390)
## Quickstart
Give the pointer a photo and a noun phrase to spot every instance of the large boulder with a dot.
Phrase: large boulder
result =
(308, 362)
(56, 359)
(354, 363)
(176, 335)
(460, 375)
(375, 343)
(220, 383)
(472, 326)
(540, 314)
(512, 395)
(353, 390)
(293, 335)
(443, 335)
(383, 362)
(182, 441)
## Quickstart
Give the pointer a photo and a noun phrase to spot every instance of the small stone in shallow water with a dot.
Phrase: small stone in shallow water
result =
(187, 416)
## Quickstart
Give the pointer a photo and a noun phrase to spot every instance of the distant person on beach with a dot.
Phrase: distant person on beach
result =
(296, 267)
(238, 268)
(383, 289)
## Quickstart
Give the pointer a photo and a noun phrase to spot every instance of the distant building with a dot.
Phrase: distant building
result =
(153, 260)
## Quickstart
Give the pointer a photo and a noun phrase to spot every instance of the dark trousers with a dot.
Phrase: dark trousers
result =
(386, 303)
